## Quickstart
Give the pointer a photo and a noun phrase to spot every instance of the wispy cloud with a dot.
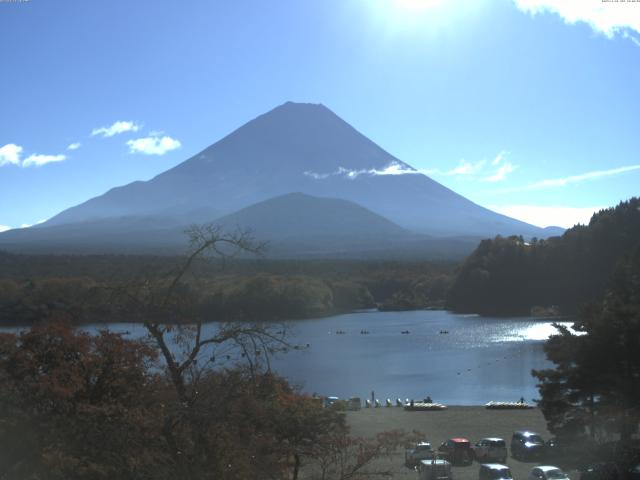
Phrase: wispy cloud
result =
(153, 145)
(74, 146)
(635, 40)
(29, 225)
(495, 170)
(501, 173)
(609, 18)
(394, 168)
(465, 168)
(547, 216)
(10, 154)
(38, 160)
(498, 159)
(564, 181)
(4, 228)
(116, 128)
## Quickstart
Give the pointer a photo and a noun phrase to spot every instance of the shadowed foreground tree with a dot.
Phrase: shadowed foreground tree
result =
(595, 387)
(73, 405)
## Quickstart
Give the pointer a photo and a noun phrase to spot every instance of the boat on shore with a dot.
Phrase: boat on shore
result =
(508, 406)
(424, 407)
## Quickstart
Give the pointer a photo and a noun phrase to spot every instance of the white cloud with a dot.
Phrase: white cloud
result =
(394, 168)
(565, 217)
(501, 173)
(4, 228)
(316, 176)
(498, 168)
(115, 129)
(561, 182)
(10, 154)
(466, 168)
(74, 146)
(38, 159)
(153, 145)
(496, 161)
(607, 17)
(564, 181)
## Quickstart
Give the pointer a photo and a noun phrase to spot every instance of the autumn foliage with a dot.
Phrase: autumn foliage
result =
(81, 406)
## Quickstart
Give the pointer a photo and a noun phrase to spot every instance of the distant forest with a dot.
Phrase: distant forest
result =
(93, 288)
(511, 276)
(503, 276)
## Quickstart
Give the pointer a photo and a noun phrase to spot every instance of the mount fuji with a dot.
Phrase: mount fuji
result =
(340, 178)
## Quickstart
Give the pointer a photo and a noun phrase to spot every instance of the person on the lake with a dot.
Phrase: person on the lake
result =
(428, 399)
(521, 399)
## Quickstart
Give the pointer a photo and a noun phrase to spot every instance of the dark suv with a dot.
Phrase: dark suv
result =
(526, 445)
(457, 451)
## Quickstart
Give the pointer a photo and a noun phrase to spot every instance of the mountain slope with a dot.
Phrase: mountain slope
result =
(294, 225)
(298, 148)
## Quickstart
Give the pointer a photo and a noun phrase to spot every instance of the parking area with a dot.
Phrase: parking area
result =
(472, 423)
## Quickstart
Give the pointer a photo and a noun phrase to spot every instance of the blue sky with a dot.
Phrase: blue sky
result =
(529, 107)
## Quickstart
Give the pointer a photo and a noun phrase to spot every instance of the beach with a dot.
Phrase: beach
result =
(472, 423)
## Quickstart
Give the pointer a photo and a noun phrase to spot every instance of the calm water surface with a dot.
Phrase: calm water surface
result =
(480, 359)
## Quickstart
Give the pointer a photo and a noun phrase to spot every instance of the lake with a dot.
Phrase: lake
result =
(478, 360)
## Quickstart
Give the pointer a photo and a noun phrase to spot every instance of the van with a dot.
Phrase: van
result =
(490, 449)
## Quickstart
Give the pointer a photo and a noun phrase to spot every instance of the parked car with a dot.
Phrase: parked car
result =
(526, 445)
(420, 451)
(547, 472)
(436, 469)
(330, 401)
(634, 472)
(490, 450)
(494, 471)
(457, 451)
(599, 471)
(354, 403)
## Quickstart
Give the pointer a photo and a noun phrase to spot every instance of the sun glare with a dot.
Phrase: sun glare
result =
(417, 5)
(426, 16)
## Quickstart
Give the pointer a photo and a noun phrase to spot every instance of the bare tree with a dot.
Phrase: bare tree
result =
(190, 348)
(343, 457)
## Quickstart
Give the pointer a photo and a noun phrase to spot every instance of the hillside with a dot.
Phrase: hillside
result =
(510, 276)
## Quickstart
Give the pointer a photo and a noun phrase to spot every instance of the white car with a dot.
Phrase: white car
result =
(490, 450)
(494, 471)
(547, 472)
(434, 470)
(418, 452)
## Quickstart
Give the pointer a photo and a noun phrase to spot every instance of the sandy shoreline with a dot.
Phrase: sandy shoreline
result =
(473, 423)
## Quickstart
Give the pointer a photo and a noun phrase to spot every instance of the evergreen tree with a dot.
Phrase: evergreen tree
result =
(595, 387)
